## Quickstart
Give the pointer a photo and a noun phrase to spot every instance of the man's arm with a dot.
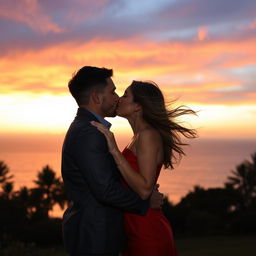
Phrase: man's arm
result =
(99, 171)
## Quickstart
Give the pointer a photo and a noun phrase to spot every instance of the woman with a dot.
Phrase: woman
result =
(155, 143)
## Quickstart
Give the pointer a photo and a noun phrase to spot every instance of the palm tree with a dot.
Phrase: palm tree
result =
(4, 171)
(23, 198)
(244, 181)
(7, 189)
(49, 191)
(5, 180)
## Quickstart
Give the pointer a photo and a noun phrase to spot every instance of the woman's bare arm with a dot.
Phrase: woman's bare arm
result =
(147, 148)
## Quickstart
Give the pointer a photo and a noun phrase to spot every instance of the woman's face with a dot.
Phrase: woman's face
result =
(126, 106)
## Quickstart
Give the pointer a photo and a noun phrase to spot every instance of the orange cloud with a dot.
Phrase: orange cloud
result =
(202, 33)
(195, 70)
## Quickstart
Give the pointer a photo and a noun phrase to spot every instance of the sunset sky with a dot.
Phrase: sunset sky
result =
(200, 52)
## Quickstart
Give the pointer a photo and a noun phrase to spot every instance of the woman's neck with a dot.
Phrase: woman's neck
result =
(138, 124)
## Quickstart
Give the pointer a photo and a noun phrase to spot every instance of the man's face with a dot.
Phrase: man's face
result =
(109, 100)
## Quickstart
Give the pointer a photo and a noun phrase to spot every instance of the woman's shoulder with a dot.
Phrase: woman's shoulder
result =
(150, 135)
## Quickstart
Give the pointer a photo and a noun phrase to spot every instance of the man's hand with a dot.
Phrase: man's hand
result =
(156, 198)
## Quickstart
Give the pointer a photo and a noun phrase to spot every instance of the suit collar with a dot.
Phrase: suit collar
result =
(83, 112)
(91, 115)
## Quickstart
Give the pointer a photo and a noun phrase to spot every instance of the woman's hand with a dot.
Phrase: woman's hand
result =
(113, 148)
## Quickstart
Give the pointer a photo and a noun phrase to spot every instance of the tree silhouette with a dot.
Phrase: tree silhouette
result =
(4, 171)
(22, 198)
(7, 189)
(244, 181)
(5, 180)
(49, 191)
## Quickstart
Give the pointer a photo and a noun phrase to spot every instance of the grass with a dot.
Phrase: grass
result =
(194, 246)
(54, 252)
(207, 246)
(17, 248)
(217, 246)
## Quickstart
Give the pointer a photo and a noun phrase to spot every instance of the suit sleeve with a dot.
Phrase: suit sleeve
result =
(101, 174)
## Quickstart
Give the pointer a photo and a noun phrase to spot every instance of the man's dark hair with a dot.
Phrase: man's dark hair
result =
(86, 80)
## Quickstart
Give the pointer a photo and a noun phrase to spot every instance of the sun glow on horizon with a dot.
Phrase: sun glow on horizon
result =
(36, 113)
(45, 113)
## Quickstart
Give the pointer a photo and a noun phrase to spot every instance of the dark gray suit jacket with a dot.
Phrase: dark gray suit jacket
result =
(94, 223)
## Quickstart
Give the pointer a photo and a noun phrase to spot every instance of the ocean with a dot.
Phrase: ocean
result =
(208, 163)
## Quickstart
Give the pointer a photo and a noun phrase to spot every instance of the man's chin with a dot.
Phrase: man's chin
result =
(119, 113)
(114, 114)
(111, 116)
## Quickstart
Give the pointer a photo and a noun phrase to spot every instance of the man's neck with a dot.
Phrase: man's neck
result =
(92, 109)
(101, 119)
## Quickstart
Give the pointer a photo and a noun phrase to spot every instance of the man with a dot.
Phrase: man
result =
(93, 225)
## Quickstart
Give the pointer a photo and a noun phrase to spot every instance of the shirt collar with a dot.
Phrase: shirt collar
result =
(101, 119)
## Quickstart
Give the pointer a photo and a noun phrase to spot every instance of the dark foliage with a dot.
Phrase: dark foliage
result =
(231, 209)
(24, 214)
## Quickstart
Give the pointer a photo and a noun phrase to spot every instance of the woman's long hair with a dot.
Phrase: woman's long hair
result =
(151, 99)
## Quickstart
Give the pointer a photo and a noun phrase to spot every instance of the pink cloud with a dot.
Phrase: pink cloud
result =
(252, 25)
(80, 10)
(30, 13)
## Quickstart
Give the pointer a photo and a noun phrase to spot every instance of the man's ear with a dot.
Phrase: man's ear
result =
(96, 97)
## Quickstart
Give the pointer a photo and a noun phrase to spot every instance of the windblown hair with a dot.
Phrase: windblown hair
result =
(155, 112)
(86, 80)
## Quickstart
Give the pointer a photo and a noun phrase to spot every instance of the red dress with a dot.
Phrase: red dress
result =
(149, 235)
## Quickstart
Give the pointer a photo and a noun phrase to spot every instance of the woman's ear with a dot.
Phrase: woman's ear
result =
(138, 107)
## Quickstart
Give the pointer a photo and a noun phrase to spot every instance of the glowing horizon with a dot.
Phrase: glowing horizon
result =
(205, 60)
